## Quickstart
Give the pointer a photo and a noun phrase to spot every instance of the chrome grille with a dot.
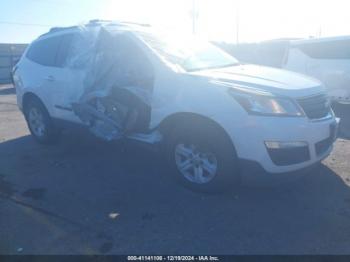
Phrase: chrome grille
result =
(315, 107)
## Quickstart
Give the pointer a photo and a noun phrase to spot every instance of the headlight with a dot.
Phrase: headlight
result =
(267, 105)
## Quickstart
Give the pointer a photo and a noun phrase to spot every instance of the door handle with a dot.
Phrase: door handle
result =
(50, 78)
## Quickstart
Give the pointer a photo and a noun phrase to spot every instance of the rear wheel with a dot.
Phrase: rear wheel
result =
(203, 159)
(40, 123)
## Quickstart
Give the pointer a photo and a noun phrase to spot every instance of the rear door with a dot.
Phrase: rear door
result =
(37, 70)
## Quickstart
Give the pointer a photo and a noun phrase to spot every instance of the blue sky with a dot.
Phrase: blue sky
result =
(217, 19)
(40, 15)
(42, 12)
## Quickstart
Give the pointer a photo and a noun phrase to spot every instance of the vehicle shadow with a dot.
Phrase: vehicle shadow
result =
(83, 177)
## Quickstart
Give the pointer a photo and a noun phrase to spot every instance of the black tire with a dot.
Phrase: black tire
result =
(50, 134)
(209, 138)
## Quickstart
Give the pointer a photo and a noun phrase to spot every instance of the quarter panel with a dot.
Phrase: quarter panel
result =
(31, 77)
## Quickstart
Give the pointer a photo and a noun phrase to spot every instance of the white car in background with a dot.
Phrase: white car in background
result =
(211, 114)
(327, 59)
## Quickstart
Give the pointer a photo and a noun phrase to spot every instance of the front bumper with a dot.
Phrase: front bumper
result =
(253, 174)
(251, 136)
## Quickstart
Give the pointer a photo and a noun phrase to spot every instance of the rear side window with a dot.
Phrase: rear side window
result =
(44, 51)
(339, 49)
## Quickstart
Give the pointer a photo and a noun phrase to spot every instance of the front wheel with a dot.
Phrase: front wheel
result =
(203, 159)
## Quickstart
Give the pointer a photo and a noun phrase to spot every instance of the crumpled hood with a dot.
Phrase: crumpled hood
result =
(272, 80)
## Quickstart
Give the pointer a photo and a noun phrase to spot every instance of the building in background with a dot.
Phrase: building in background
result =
(9, 56)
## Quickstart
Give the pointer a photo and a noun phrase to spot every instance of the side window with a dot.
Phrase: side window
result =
(44, 51)
(338, 49)
(64, 50)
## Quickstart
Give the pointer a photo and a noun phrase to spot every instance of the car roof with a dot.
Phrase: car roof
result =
(112, 26)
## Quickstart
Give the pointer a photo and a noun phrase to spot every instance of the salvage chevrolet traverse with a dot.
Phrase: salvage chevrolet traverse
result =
(208, 112)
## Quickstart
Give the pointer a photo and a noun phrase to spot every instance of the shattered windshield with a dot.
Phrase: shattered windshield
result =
(190, 53)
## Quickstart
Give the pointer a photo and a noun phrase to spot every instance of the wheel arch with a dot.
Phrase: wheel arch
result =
(29, 96)
(169, 124)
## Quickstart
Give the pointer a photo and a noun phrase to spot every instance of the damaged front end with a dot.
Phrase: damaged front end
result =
(102, 121)
(109, 118)
(118, 84)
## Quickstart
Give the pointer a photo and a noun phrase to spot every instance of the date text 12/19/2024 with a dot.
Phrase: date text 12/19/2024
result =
(173, 258)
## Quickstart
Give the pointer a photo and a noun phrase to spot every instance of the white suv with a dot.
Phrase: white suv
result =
(214, 117)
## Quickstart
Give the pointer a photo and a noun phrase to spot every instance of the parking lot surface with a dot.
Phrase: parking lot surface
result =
(85, 196)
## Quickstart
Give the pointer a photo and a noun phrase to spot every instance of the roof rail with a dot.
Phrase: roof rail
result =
(116, 22)
(97, 21)
(58, 29)
(135, 23)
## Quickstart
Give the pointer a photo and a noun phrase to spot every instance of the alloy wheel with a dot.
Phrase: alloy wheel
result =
(195, 165)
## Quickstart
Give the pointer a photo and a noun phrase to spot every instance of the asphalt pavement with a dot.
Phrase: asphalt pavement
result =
(85, 196)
